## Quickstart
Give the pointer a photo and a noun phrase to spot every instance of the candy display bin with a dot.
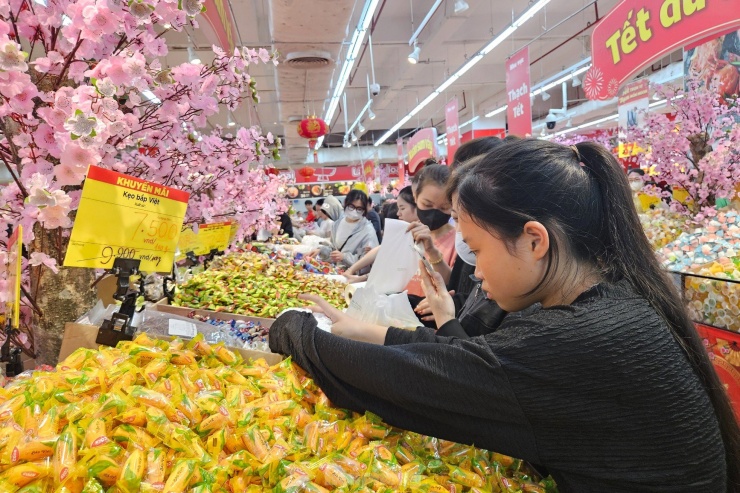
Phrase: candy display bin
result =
(712, 300)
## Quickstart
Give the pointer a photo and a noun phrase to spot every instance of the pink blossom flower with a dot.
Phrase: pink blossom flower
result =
(37, 258)
(22, 103)
(12, 57)
(73, 155)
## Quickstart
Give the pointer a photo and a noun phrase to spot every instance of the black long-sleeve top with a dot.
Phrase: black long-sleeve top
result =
(598, 392)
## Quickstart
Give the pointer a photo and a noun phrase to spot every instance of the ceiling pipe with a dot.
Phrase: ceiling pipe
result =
(588, 26)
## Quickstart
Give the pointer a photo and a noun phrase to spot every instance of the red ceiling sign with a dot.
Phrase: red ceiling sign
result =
(218, 16)
(635, 33)
(401, 164)
(452, 129)
(421, 146)
(519, 106)
(326, 175)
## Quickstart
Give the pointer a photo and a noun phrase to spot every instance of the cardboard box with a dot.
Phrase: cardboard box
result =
(81, 335)
(162, 306)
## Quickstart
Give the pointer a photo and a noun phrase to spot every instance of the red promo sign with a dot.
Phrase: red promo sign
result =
(519, 106)
(635, 33)
(218, 17)
(326, 175)
(401, 163)
(724, 352)
(452, 130)
(422, 146)
(368, 170)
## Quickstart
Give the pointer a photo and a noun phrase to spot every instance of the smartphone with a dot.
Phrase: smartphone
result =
(426, 263)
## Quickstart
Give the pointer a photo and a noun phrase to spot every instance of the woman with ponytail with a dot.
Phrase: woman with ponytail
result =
(600, 378)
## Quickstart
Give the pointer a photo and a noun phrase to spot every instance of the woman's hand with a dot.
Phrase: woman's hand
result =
(424, 311)
(345, 326)
(313, 253)
(422, 234)
(437, 298)
(336, 256)
(353, 278)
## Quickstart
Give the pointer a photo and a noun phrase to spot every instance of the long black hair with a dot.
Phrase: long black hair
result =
(582, 197)
(407, 195)
(473, 148)
(436, 174)
(353, 196)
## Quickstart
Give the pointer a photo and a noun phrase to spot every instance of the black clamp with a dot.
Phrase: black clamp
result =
(118, 328)
(11, 356)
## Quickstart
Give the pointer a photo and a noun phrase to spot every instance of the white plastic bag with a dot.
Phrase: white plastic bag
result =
(397, 262)
(383, 309)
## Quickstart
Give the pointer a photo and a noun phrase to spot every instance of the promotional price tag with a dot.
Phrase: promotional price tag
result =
(13, 304)
(125, 217)
(213, 236)
(188, 242)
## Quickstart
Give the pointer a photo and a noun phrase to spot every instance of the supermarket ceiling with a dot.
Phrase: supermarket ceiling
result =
(558, 37)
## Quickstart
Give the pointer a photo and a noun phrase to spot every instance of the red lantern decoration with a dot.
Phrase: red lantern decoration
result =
(306, 171)
(312, 128)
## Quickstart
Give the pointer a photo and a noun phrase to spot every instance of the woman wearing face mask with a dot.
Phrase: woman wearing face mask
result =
(351, 234)
(433, 230)
(406, 212)
(606, 384)
(461, 283)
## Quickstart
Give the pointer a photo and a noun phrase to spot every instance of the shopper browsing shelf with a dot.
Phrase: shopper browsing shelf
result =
(605, 384)
(407, 213)
(461, 282)
(329, 211)
(433, 230)
(350, 234)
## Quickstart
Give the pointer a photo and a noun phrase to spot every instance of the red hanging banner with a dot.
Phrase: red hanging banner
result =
(401, 163)
(519, 107)
(636, 33)
(422, 146)
(452, 130)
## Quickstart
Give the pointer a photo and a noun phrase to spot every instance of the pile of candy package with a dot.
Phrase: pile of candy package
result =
(153, 416)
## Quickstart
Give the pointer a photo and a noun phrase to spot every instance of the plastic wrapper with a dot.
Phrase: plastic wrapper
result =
(155, 416)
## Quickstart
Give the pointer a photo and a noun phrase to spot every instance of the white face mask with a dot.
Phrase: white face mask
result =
(353, 215)
(636, 186)
(463, 250)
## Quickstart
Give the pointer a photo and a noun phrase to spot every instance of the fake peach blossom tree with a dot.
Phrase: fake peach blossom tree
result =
(82, 83)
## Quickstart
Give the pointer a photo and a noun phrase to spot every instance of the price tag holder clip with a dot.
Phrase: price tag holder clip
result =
(118, 327)
(115, 330)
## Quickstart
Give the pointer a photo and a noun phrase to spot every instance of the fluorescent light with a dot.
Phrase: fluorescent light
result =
(150, 96)
(562, 76)
(468, 122)
(498, 110)
(528, 14)
(354, 48)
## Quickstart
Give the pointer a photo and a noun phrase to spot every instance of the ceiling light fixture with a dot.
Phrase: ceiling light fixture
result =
(192, 56)
(361, 128)
(230, 121)
(470, 63)
(354, 137)
(576, 81)
(545, 96)
(414, 55)
(461, 6)
(370, 114)
(355, 44)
